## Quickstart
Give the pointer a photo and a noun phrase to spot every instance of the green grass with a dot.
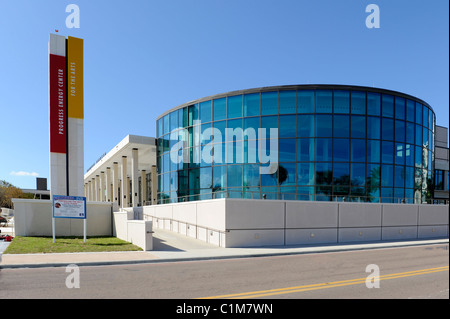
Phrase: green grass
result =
(35, 245)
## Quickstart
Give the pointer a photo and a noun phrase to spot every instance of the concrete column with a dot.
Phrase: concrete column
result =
(134, 177)
(123, 186)
(89, 194)
(108, 184)
(128, 192)
(102, 186)
(143, 187)
(97, 188)
(154, 186)
(115, 181)
(91, 183)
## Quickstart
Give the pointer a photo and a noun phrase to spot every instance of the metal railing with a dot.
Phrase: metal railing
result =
(293, 196)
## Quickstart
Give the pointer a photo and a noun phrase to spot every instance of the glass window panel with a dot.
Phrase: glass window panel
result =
(387, 195)
(373, 104)
(305, 101)
(357, 174)
(219, 178)
(269, 179)
(251, 104)
(399, 176)
(358, 150)
(269, 103)
(341, 126)
(373, 127)
(324, 173)
(358, 124)
(324, 193)
(251, 175)
(324, 101)
(341, 174)
(409, 177)
(160, 127)
(400, 108)
(268, 122)
(180, 118)
(387, 175)
(205, 111)
(425, 116)
(410, 110)
(388, 105)
(419, 134)
(341, 102)
(305, 173)
(400, 153)
(287, 149)
(358, 102)
(251, 124)
(373, 151)
(410, 132)
(205, 138)
(173, 120)
(193, 114)
(418, 156)
(399, 131)
(399, 195)
(194, 178)
(220, 109)
(288, 127)
(387, 132)
(166, 127)
(287, 174)
(419, 113)
(305, 126)
(206, 177)
(305, 193)
(341, 149)
(221, 126)
(373, 179)
(305, 150)
(409, 154)
(234, 106)
(387, 152)
(235, 130)
(324, 149)
(425, 137)
(324, 125)
(288, 102)
(234, 176)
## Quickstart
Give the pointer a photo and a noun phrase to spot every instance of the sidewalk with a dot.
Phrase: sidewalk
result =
(171, 247)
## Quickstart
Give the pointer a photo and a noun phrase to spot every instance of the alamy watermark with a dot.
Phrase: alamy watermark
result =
(211, 152)
(73, 279)
(373, 19)
(73, 19)
(373, 280)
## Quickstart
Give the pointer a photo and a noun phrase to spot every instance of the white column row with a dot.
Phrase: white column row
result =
(114, 183)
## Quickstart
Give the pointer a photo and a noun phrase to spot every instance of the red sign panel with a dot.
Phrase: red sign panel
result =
(58, 108)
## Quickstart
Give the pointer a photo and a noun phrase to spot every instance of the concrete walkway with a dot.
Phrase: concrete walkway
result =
(171, 247)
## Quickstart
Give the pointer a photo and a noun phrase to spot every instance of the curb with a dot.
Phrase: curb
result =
(304, 251)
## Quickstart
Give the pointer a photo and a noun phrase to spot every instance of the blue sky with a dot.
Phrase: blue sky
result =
(143, 57)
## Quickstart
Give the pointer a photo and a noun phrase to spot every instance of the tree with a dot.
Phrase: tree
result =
(8, 192)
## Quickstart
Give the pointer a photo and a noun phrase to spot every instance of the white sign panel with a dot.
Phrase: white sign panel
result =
(69, 207)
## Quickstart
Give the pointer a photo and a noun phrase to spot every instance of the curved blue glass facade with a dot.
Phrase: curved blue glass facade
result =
(334, 142)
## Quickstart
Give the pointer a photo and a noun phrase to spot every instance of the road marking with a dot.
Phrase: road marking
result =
(279, 291)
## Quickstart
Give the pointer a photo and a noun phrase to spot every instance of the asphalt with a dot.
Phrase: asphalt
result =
(172, 247)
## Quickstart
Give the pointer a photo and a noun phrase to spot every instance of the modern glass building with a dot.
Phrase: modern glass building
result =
(334, 142)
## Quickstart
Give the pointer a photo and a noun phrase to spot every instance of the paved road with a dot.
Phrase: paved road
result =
(409, 272)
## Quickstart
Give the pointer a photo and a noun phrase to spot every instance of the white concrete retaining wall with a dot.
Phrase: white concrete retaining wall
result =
(34, 218)
(251, 223)
(137, 232)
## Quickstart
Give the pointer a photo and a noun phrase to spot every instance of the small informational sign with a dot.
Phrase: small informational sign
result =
(69, 207)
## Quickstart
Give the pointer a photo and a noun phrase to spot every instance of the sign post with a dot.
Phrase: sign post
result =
(69, 207)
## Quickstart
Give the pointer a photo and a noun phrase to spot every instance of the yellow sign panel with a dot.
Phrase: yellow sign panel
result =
(75, 78)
